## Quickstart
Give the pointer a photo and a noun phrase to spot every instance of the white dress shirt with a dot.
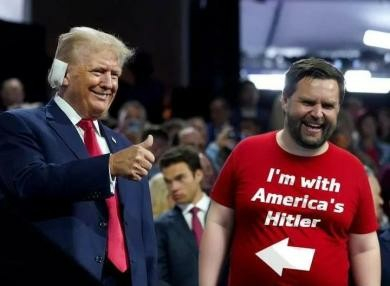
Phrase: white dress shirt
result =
(75, 118)
(203, 205)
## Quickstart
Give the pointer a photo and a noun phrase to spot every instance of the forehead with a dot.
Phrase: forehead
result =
(12, 84)
(92, 57)
(175, 169)
(192, 135)
(134, 111)
(313, 88)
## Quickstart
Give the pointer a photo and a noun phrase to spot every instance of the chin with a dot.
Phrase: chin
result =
(313, 144)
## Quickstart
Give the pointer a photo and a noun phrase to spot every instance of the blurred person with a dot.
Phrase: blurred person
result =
(355, 107)
(138, 83)
(132, 118)
(161, 199)
(160, 145)
(220, 114)
(12, 95)
(189, 136)
(172, 127)
(376, 190)
(343, 137)
(199, 124)
(77, 183)
(179, 230)
(249, 106)
(384, 124)
(346, 137)
(219, 150)
(290, 208)
(369, 142)
(249, 127)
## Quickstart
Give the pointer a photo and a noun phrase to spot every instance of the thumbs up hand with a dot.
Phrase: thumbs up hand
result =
(133, 162)
(147, 143)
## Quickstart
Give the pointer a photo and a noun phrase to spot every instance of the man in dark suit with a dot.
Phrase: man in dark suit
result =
(78, 186)
(177, 236)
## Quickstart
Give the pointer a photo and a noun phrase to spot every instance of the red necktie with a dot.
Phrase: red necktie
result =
(197, 228)
(116, 249)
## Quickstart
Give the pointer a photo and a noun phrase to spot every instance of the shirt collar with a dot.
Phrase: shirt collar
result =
(72, 114)
(203, 204)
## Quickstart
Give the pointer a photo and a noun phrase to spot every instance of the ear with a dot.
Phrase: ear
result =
(198, 175)
(65, 82)
(283, 102)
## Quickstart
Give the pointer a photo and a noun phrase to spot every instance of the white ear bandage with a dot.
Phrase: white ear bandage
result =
(57, 73)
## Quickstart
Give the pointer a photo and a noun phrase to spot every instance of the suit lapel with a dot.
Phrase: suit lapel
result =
(61, 124)
(111, 138)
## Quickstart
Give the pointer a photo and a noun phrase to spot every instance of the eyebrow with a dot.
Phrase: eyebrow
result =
(309, 99)
(175, 178)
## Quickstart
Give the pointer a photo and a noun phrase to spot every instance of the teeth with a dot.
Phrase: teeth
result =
(313, 125)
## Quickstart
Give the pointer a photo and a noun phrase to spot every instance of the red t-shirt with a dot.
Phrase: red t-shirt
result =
(313, 202)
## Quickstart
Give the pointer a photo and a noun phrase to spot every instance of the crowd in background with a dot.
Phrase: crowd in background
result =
(362, 131)
(142, 108)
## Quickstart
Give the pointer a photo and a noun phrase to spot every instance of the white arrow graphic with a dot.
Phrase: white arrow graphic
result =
(280, 255)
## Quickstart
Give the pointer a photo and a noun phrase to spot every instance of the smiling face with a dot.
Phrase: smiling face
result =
(311, 112)
(91, 82)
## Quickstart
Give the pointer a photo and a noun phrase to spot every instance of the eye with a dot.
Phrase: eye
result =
(96, 72)
(307, 103)
(328, 106)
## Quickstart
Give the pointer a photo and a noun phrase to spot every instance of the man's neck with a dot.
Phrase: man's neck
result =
(198, 197)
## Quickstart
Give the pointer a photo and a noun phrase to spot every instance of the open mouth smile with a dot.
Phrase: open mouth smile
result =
(313, 127)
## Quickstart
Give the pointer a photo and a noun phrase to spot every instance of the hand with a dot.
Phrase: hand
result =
(134, 162)
(225, 138)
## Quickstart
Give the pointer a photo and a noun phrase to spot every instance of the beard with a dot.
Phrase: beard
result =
(295, 125)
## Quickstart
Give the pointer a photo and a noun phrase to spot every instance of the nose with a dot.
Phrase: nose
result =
(107, 80)
(316, 111)
(174, 186)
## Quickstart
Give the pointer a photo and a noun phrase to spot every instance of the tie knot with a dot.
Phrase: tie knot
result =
(85, 124)
(195, 210)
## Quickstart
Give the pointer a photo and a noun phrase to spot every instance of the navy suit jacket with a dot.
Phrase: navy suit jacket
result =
(177, 250)
(47, 175)
(384, 242)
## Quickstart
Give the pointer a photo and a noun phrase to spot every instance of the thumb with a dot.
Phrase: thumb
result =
(148, 142)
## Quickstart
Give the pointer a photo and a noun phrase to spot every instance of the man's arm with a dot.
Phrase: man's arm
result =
(215, 242)
(26, 173)
(365, 259)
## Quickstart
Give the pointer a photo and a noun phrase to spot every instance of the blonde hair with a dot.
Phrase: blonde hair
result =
(160, 196)
(88, 39)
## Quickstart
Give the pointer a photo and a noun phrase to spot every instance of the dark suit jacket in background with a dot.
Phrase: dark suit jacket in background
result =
(50, 185)
(384, 241)
(178, 253)
(177, 250)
